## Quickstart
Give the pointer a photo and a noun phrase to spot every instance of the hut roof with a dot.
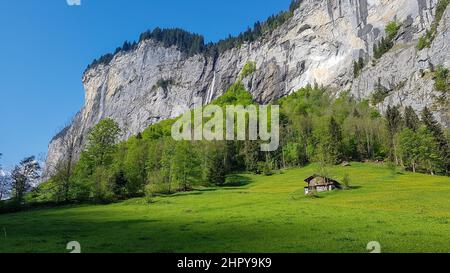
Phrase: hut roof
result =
(320, 180)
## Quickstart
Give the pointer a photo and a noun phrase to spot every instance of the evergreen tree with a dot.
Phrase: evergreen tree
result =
(231, 157)
(355, 69)
(251, 154)
(216, 169)
(257, 29)
(430, 155)
(436, 130)
(358, 66)
(410, 148)
(295, 4)
(420, 150)
(360, 63)
(126, 46)
(119, 184)
(433, 126)
(394, 123)
(333, 144)
(411, 119)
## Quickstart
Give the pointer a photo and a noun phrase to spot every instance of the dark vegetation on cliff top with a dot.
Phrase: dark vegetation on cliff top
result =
(193, 44)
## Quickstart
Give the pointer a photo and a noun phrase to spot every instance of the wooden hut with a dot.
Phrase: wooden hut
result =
(317, 183)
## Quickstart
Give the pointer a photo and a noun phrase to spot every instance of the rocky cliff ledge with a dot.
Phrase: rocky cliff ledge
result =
(317, 45)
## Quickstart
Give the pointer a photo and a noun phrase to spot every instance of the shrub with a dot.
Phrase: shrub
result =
(313, 194)
(265, 168)
(119, 183)
(163, 84)
(346, 181)
(425, 41)
(392, 167)
(391, 30)
(10, 206)
(150, 193)
(249, 68)
(441, 81)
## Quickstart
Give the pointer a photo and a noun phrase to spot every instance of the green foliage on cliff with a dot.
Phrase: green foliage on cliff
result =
(249, 68)
(442, 80)
(387, 42)
(427, 39)
(235, 95)
(391, 30)
(380, 93)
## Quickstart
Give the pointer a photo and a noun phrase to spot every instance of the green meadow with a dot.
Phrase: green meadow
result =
(404, 212)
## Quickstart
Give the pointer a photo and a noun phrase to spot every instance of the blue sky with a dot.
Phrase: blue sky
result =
(46, 45)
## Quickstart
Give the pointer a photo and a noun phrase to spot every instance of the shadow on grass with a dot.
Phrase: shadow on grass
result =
(233, 181)
(300, 194)
(236, 180)
(138, 236)
(187, 193)
(181, 194)
(206, 189)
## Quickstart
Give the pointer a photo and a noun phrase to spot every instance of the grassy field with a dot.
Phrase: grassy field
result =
(404, 212)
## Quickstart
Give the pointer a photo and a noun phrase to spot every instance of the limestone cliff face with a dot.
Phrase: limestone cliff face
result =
(318, 45)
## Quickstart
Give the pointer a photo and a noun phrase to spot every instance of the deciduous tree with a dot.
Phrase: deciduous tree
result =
(24, 176)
